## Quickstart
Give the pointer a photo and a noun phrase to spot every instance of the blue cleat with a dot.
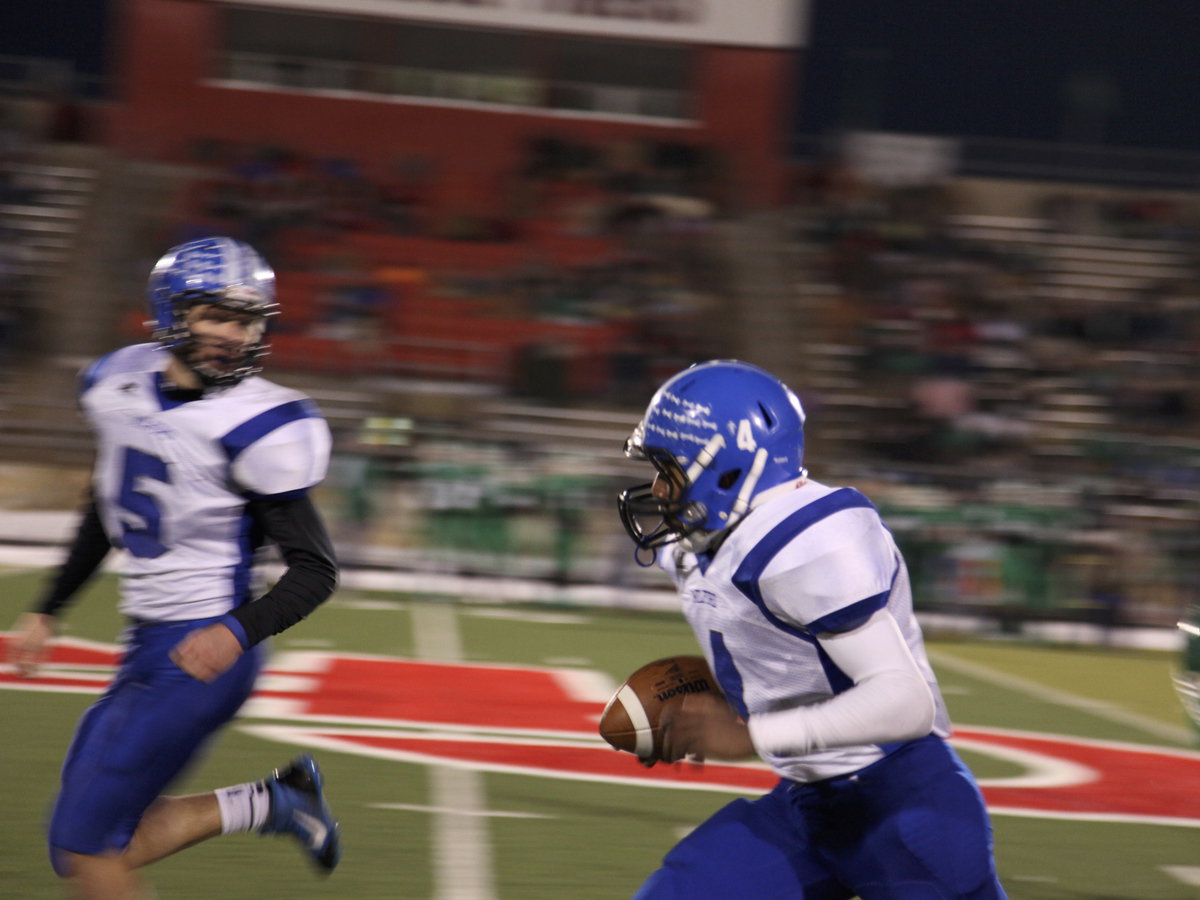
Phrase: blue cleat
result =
(298, 808)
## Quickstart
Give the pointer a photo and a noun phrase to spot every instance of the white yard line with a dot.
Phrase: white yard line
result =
(6, 572)
(1189, 875)
(486, 813)
(462, 845)
(1099, 708)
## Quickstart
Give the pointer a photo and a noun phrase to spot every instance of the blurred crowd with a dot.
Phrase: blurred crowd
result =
(1032, 430)
(968, 331)
(19, 188)
(612, 239)
(1048, 417)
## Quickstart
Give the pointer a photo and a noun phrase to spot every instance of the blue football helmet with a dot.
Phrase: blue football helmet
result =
(719, 433)
(219, 271)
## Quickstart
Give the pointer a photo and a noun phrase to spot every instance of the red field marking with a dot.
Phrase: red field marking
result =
(1130, 780)
(72, 652)
(453, 694)
(100, 659)
(1124, 780)
(561, 759)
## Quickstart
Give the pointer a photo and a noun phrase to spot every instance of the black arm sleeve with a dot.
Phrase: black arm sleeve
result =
(311, 575)
(88, 549)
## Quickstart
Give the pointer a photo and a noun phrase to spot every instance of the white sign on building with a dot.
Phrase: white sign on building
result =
(749, 23)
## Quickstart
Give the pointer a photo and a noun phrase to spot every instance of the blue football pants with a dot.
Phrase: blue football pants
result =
(911, 826)
(138, 737)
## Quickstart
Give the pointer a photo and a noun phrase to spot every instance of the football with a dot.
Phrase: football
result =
(631, 719)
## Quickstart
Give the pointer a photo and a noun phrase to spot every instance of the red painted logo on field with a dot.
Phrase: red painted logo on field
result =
(542, 721)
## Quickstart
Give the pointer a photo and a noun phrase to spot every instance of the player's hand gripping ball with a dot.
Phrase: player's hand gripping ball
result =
(631, 721)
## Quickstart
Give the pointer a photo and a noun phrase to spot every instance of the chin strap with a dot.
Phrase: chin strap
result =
(644, 561)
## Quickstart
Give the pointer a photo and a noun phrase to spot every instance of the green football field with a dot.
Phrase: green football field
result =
(457, 742)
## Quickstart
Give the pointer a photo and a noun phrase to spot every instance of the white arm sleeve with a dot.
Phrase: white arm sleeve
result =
(890, 700)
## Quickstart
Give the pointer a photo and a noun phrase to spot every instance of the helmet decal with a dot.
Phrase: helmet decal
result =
(719, 433)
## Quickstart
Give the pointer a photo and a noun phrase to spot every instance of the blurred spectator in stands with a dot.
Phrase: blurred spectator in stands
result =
(1106, 594)
(14, 140)
(10, 302)
(354, 311)
(17, 309)
(67, 122)
(354, 303)
(543, 372)
(347, 197)
(631, 374)
(404, 196)
(657, 276)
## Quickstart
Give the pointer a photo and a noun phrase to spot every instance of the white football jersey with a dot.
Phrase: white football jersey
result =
(172, 479)
(810, 560)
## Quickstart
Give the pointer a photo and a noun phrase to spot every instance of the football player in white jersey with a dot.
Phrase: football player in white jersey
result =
(199, 463)
(801, 602)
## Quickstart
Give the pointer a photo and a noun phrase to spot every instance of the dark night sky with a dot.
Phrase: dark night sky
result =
(999, 69)
(61, 29)
(950, 67)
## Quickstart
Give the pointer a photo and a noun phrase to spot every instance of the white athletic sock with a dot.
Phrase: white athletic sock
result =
(244, 807)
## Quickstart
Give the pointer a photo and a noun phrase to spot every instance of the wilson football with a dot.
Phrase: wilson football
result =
(631, 719)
